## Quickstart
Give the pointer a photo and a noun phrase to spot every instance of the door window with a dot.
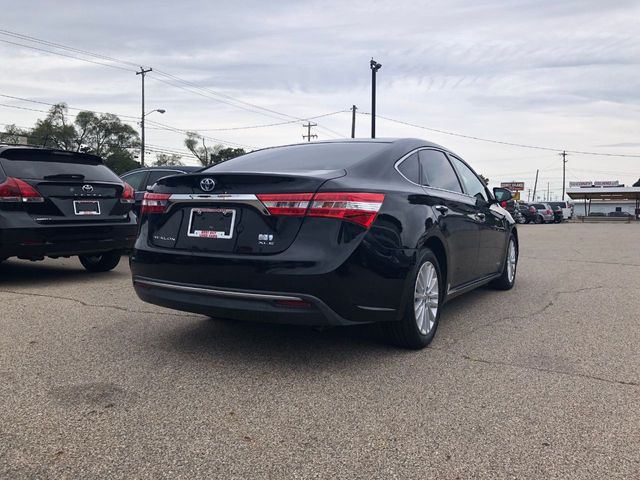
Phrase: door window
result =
(437, 172)
(136, 180)
(474, 186)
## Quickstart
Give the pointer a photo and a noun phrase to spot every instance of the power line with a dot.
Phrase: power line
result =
(500, 142)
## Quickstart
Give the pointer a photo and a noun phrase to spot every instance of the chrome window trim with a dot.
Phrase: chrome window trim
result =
(407, 155)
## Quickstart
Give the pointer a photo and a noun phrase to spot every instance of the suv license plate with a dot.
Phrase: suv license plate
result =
(86, 207)
(212, 223)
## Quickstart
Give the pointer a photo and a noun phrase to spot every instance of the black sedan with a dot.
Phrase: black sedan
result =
(326, 233)
(59, 204)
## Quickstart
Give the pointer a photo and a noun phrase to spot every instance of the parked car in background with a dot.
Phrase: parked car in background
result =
(620, 214)
(143, 178)
(558, 216)
(566, 207)
(524, 212)
(55, 203)
(326, 233)
(542, 213)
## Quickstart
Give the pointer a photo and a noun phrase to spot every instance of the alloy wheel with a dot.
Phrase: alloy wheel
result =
(426, 297)
(511, 261)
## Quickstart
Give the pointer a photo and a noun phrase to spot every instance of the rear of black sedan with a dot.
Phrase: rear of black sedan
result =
(58, 204)
(327, 233)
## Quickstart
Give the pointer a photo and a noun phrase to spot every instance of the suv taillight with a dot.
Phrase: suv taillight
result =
(355, 207)
(16, 190)
(532, 209)
(154, 203)
(128, 194)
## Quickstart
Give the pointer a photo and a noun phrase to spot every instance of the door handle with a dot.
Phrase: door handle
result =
(442, 209)
(480, 216)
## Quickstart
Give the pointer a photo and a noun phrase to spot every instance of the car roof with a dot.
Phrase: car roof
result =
(34, 148)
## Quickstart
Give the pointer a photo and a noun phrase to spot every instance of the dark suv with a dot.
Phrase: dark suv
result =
(60, 204)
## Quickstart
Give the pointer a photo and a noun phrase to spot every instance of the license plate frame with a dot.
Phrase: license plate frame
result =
(77, 211)
(212, 234)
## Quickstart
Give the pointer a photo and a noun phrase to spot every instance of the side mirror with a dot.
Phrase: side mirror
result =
(502, 194)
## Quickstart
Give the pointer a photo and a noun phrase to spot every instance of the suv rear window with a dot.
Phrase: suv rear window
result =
(38, 164)
(314, 156)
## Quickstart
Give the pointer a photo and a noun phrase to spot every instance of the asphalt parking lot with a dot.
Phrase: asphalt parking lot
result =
(539, 382)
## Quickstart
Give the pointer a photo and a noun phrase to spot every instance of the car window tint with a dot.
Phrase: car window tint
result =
(309, 157)
(410, 168)
(474, 186)
(437, 171)
(136, 180)
(155, 175)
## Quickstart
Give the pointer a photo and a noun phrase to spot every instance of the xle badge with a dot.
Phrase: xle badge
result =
(265, 239)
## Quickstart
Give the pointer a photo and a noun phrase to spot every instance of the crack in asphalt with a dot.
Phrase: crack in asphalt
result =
(580, 261)
(548, 370)
(529, 315)
(95, 305)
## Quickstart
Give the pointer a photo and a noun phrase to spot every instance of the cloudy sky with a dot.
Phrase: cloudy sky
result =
(538, 72)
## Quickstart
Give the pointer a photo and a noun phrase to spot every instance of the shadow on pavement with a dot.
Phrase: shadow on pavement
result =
(16, 273)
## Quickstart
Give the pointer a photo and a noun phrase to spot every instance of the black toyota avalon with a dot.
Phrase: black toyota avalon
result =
(326, 233)
(58, 204)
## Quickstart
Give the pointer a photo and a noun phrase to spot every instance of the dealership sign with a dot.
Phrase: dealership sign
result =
(600, 183)
(513, 186)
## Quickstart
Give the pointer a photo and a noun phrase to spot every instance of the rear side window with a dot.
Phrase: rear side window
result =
(437, 171)
(136, 180)
(539, 206)
(38, 165)
(314, 156)
(410, 168)
(474, 186)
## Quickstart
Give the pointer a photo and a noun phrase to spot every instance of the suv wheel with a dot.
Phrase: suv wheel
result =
(508, 277)
(539, 219)
(100, 262)
(424, 298)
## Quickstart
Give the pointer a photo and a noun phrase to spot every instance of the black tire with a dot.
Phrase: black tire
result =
(527, 221)
(539, 220)
(405, 333)
(505, 281)
(100, 262)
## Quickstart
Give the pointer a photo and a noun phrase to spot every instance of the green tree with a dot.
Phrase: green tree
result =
(13, 134)
(168, 160)
(202, 153)
(55, 131)
(225, 154)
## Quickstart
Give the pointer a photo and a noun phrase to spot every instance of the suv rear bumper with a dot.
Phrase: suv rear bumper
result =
(65, 240)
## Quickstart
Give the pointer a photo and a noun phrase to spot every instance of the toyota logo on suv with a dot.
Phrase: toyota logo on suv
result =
(87, 188)
(207, 184)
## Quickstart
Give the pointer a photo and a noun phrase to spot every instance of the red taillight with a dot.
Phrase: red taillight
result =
(532, 209)
(360, 208)
(154, 203)
(292, 204)
(503, 204)
(16, 190)
(549, 212)
(128, 194)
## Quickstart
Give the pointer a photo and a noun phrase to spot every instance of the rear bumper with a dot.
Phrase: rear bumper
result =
(65, 240)
(271, 307)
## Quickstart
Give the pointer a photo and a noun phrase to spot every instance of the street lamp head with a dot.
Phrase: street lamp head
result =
(375, 66)
(161, 110)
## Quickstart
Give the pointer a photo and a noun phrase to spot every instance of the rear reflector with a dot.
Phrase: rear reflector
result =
(154, 203)
(293, 303)
(16, 190)
(356, 207)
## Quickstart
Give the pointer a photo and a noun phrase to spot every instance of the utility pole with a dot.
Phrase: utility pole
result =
(564, 165)
(548, 197)
(308, 126)
(528, 195)
(353, 121)
(375, 66)
(535, 186)
(142, 72)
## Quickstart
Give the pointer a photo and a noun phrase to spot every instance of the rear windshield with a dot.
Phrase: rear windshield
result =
(38, 165)
(314, 156)
(539, 206)
(558, 204)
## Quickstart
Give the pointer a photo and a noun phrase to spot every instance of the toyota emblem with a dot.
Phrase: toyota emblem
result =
(207, 184)
(87, 188)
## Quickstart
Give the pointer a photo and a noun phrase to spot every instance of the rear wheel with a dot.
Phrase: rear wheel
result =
(508, 277)
(422, 310)
(539, 219)
(100, 262)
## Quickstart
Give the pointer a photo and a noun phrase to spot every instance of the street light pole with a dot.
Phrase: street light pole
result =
(142, 72)
(375, 66)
